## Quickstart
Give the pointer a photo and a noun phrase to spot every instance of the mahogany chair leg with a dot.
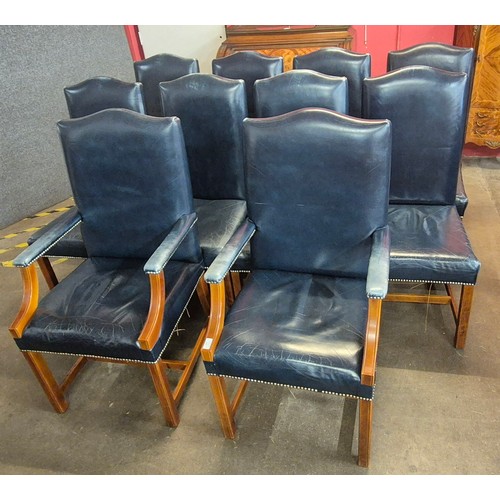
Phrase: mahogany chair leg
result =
(230, 295)
(463, 315)
(47, 381)
(226, 415)
(236, 283)
(203, 292)
(365, 432)
(164, 394)
(48, 272)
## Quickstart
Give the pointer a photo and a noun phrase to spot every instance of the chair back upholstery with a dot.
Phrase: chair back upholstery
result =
(102, 92)
(211, 109)
(248, 66)
(317, 188)
(130, 181)
(300, 88)
(336, 61)
(437, 55)
(161, 68)
(427, 108)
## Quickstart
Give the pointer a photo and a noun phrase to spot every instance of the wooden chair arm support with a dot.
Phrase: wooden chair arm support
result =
(215, 321)
(29, 301)
(371, 342)
(152, 327)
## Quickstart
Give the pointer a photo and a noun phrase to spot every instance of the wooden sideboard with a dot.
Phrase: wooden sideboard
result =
(286, 41)
(483, 126)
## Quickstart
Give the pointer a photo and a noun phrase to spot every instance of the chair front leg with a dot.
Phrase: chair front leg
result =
(47, 381)
(463, 315)
(222, 402)
(164, 394)
(365, 432)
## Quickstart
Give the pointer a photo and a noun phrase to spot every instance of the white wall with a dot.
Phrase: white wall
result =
(198, 41)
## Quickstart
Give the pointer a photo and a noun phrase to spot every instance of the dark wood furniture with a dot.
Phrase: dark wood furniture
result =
(483, 127)
(287, 41)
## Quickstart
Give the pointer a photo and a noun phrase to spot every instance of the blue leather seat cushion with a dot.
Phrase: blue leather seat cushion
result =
(296, 329)
(429, 243)
(217, 221)
(100, 309)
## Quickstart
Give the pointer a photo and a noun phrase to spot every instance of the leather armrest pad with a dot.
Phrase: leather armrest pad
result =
(170, 244)
(377, 281)
(223, 262)
(58, 229)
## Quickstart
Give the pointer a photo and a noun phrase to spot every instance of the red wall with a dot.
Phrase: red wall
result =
(378, 40)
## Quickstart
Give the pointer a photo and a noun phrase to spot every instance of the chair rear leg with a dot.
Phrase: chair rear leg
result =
(47, 381)
(164, 394)
(365, 432)
(226, 415)
(48, 272)
(203, 293)
(463, 315)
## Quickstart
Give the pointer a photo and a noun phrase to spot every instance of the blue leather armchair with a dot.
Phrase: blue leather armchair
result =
(248, 66)
(426, 107)
(161, 68)
(337, 61)
(130, 181)
(449, 58)
(309, 313)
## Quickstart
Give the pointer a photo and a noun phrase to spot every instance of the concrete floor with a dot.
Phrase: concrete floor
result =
(436, 409)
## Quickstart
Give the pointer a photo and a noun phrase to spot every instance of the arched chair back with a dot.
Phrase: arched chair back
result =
(427, 107)
(248, 66)
(437, 55)
(161, 68)
(449, 58)
(102, 92)
(300, 88)
(212, 109)
(337, 61)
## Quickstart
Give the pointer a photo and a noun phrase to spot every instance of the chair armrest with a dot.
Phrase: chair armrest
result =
(223, 262)
(58, 229)
(377, 281)
(170, 244)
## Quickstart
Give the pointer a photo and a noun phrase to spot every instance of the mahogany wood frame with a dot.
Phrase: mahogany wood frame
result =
(149, 335)
(227, 407)
(461, 311)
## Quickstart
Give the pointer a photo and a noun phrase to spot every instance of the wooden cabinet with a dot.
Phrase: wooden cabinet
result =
(483, 126)
(287, 41)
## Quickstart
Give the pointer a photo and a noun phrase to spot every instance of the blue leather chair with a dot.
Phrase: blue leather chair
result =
(449, 58)
(248, 66)
(300, 88)
(212, 109)
(337, 61)
(130, 180)
(309, 313)
(426, 107)
(85, 98)
(161, 68)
